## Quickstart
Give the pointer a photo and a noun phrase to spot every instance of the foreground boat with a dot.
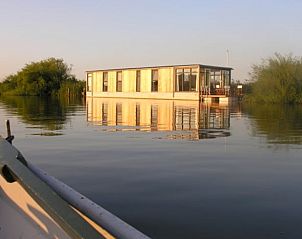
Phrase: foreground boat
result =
(36, 205)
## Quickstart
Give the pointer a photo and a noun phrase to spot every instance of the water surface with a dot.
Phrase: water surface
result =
(172, 169)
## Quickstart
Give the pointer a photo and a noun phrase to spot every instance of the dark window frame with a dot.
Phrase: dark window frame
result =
(105, 81)
(154, 81)
(138, 81)
(119, 81)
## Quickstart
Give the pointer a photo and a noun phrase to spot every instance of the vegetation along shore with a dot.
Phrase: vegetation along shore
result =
(277, 80)
(44, 78)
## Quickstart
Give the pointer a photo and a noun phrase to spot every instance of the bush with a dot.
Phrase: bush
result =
(277, 80)
(45, 77)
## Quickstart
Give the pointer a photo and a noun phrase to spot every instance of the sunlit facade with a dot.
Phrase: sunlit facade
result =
(179, 82)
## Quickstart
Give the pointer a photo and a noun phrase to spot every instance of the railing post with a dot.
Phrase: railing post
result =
(9, 137)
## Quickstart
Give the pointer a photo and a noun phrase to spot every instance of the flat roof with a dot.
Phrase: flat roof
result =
(162, 66)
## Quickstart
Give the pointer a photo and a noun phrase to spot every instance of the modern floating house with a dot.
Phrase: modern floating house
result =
(179, 82)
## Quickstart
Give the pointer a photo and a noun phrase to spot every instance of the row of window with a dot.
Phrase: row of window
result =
(119, 81)
(185, 80)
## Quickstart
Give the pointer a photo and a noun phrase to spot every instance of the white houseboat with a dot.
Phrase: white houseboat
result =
(177, 82)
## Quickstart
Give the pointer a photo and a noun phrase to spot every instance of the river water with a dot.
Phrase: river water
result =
(172, 169)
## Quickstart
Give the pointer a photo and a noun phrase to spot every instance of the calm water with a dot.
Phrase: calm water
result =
(172, 169)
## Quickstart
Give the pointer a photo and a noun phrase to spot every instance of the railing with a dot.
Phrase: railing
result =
(215, 91)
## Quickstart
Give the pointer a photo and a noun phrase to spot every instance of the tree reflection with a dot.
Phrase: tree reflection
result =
(279, 124)
(48, 113)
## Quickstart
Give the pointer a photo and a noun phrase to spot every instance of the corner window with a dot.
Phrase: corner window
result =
(89, 82)
(186, 79)
(226, 75)
(216, 80)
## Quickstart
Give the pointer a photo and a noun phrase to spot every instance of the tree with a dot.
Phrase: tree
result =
(45, 77)
(277, 80)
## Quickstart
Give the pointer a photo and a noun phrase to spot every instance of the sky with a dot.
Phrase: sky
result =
(97, 34)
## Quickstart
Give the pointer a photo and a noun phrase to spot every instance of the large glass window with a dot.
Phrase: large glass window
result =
(186, 79)
(154, 82)
(208, 78)
(226, 77)
(119, 83)
(138, 81)
(186, 83)
(105, 81)
(89, 82)
(193, 79)
(215, 81)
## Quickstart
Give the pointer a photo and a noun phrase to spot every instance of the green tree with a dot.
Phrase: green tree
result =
(45, 77)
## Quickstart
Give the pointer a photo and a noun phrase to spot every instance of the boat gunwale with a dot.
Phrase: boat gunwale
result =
(57, 208)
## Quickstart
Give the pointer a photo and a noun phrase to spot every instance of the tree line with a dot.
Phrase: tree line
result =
(277, 79)
(46, 77)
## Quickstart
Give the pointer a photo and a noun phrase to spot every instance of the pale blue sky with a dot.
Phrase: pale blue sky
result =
(96, 34)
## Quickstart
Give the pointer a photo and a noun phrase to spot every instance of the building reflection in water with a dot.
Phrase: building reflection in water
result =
(185, 119)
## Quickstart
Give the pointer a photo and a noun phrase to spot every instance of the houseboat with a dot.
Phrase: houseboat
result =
(175, 82)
